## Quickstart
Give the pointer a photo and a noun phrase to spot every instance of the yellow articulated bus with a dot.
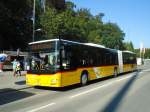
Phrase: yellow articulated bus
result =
(60, 63)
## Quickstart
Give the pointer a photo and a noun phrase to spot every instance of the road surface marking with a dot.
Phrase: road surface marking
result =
(91, 90)
(118, 80)
(94, 89)
(147, 70)
(42, 107)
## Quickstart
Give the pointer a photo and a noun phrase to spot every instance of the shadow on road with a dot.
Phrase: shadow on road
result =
(13, 96)
(21, 82)
(113, 105)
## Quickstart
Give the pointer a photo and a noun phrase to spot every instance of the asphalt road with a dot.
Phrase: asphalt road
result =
(126, 93)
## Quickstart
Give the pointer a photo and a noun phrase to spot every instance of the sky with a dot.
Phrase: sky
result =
(132, 16)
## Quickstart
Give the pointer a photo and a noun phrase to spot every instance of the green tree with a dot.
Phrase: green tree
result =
(137, 51)
(47, 20)
(147, 53)
(16, 28)
(65, 24)
(81, 26)
(70, 6)
(95, 26)
(112, 36)
(129, 46)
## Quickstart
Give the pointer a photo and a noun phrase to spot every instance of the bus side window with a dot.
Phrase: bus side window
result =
(67, 59)
(85, 58)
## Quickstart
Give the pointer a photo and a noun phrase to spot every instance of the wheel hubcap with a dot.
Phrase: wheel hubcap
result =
(84, 79)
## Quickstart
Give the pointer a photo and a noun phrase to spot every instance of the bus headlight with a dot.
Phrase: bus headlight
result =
(28, 67)
(54, 81)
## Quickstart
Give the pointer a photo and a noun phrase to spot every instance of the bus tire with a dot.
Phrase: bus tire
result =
(84, 79)
(115, 72)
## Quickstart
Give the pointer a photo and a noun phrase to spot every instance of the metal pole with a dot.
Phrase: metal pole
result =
(143, 54)
(44, 3)
(33, 35)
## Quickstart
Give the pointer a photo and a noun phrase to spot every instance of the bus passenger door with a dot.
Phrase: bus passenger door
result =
(69, 76)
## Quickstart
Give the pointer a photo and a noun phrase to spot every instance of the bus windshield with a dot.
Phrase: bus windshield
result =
(44, 58)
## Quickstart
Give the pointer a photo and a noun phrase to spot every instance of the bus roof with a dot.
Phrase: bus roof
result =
(86, 44)
(50, 40)
(95, 45)
(43, 41)
(129, 52)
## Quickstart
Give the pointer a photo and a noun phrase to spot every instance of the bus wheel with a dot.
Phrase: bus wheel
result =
(115, 72)
(84, 79)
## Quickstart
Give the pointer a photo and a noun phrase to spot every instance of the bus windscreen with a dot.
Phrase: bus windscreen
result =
(44, 59)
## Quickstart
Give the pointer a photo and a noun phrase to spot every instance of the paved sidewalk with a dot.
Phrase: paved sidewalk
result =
(9, 83)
